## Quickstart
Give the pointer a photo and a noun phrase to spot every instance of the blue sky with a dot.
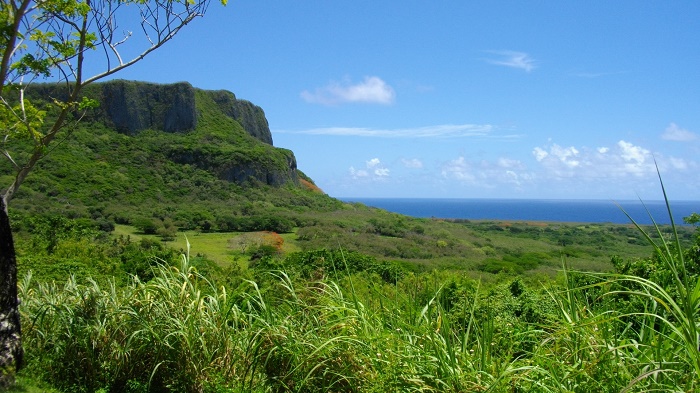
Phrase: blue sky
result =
(462, 99)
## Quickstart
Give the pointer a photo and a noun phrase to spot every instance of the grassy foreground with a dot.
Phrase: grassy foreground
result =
(100, 314)
(339, 332)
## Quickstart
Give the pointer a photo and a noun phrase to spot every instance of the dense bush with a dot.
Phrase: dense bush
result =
(55, 247)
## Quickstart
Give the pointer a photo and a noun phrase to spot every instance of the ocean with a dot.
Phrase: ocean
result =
(584, 211)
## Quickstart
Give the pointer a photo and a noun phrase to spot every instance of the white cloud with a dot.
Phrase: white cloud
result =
(438, 131)
(513, 59)
(622, 168)
(622, 159)
(637, 160)
(678, 163)
(539, 153)
(381, 172)
(573, 171)
(373, 163)
(458, 169)
(412, 163)
(565, 170)
(374, 170)
(508, 163)
(486, 174)
(675, 133)
(372, 90)
(358, 173)
(567, 157)
(630, 152)
(377, 168)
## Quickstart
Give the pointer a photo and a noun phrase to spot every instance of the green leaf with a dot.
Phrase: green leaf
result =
(88, 103)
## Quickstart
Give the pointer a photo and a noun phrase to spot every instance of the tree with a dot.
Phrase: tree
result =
(53, 40)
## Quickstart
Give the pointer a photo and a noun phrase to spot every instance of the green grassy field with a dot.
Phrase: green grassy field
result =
(215, 246)
(222, 248)
(467, 246)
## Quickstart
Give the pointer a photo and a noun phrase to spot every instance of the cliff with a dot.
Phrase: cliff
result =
(131, 107)
(211, 130)
(251, 117)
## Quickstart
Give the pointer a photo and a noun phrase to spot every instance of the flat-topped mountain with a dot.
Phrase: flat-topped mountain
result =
(131, 108)
(165, 151)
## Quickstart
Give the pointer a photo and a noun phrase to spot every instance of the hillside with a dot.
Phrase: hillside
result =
(205, 119)
(149, 145)
(167, 159)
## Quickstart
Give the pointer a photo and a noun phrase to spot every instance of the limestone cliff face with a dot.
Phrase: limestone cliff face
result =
(248, 115)
(131, 107)
(284, 174)
(277, 168)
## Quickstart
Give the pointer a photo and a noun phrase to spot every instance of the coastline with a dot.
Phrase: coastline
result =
(535, 210)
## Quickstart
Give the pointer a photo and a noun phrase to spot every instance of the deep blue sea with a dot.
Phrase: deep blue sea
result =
(592, 211)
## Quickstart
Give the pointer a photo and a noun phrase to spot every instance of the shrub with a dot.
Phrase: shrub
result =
(145, 225)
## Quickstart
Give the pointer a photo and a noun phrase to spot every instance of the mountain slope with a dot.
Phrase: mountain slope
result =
(169, 152)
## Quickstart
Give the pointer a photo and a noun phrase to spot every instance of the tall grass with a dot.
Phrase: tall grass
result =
(648, 337)
(669, 340)
(178, 332)
(174, 333)
(431, 332)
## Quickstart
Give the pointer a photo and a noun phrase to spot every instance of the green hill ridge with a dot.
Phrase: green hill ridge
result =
(148, 144)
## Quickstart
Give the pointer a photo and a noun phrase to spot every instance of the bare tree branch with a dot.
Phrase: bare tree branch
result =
(64, 56)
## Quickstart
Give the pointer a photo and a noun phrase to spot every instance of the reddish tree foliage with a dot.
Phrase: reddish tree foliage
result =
(311, 186)
(273, 239)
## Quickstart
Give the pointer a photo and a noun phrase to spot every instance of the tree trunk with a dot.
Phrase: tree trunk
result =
(11, 352)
